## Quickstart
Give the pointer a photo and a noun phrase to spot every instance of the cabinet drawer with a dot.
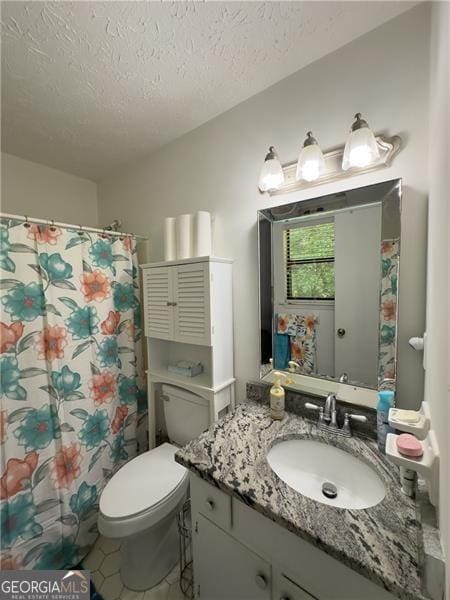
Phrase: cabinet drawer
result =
(286, 589)
(211, 502)
(225, 569)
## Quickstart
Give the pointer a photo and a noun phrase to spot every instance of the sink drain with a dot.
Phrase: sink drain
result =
(329, 490)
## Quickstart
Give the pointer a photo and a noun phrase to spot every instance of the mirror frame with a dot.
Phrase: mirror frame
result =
(389, 194)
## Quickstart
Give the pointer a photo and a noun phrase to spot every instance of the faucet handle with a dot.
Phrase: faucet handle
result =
(359, 418)
(346, 429)
(311, 406)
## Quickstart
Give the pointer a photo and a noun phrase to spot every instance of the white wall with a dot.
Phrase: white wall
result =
(32, 189)
(383, 74)
(437, 364)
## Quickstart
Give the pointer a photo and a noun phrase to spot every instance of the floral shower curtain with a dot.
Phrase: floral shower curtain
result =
(72, 406)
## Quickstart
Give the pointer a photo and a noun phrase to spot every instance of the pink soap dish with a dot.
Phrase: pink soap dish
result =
(408, 445)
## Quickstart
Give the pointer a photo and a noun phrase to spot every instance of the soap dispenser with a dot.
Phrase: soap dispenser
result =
(277, 397)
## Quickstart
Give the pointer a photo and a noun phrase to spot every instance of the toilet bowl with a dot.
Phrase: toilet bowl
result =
(140, 502)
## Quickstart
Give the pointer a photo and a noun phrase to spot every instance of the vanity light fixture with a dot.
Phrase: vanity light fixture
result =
(361, 147)
(363, 152)
(272, 176)
(311, 163)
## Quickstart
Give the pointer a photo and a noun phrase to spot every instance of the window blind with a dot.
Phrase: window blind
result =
(309, 255)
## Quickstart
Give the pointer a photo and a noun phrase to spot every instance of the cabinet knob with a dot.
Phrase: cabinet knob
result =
(210, 505)
(341, 332)
(261, 581)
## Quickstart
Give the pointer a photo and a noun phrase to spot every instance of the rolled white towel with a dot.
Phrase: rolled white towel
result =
(202, 234)
(170, 245)
(185, 235)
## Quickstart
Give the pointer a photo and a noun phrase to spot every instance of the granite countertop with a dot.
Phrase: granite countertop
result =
(382, 543)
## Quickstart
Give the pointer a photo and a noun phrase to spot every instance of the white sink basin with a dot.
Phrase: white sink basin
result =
(320, 471)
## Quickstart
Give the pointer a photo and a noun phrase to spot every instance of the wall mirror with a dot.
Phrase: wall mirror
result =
(328, 278)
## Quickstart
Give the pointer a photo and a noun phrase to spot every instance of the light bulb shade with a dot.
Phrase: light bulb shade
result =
(311, 163)
(272, 176)
(361, 148)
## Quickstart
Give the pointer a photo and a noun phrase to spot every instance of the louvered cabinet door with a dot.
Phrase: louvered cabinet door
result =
(192, 304)
(157, 292)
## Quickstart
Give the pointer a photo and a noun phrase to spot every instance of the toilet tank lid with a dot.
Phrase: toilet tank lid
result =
(143, 483)
(177, 392)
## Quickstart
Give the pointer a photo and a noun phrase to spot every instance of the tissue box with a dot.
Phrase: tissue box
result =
(186, 368)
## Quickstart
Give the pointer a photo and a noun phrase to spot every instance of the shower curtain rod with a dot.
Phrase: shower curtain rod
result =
(26, 219)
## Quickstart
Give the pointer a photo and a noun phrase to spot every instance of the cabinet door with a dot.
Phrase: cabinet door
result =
(192, 304)
(224, 569)
(285, 588)
(157, 292)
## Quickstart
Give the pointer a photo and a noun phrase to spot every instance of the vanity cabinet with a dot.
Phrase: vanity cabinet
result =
(240, 554)
(226, 569)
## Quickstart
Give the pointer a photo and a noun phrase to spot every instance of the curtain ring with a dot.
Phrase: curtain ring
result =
(52, 226)
(26, 224)
(80, 230)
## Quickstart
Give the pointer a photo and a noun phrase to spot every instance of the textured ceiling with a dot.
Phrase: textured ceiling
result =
(88, 86)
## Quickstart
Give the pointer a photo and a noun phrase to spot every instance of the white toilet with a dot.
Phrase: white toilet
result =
(141, 501)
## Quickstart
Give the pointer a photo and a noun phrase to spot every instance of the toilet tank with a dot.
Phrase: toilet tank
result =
(185, 413)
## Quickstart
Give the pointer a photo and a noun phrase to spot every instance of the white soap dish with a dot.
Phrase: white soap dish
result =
(420, 428)
(427, 465)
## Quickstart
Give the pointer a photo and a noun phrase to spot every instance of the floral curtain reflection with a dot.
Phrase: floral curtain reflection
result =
(388, 315)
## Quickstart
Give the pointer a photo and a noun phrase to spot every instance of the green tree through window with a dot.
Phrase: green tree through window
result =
(309, 252)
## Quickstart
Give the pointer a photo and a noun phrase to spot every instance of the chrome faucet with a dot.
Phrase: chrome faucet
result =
(327, 417)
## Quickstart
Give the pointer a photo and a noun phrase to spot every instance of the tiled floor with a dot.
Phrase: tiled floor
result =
(104, 564)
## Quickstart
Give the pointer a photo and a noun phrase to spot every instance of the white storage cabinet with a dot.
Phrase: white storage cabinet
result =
(188, 315)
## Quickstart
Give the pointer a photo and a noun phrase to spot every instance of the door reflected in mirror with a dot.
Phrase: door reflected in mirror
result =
(329, 285)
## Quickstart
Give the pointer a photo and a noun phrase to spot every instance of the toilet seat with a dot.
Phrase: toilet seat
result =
(143, 492)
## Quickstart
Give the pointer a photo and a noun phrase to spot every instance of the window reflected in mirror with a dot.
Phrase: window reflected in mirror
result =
(329, 285)
(309, 261)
